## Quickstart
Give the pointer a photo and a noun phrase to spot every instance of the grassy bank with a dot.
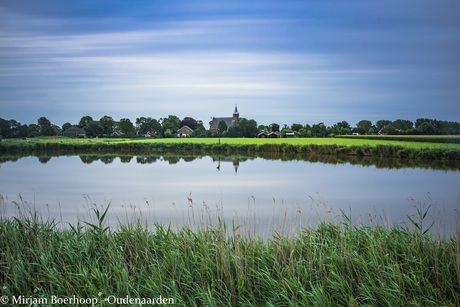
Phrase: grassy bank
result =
(421, 150)
(330, 265)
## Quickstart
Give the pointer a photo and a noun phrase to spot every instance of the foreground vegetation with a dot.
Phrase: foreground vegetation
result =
(330, 265)
(420, 148)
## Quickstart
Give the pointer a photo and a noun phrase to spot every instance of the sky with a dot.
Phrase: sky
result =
(280, 62)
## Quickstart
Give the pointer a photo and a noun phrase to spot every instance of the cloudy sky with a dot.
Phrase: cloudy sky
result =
(279, 61)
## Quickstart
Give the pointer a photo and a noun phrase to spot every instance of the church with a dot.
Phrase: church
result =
(229, 121)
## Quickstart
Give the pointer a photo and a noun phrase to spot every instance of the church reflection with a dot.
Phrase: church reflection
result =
(226, 161)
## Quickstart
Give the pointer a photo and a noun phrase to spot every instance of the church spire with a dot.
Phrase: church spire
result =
(236, 115)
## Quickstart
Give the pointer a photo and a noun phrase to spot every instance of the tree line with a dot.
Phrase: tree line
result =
(167, 127)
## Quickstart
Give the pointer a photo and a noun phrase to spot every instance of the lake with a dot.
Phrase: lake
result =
(259, 194)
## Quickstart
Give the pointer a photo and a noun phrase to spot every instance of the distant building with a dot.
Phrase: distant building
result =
(383, 131)
(184, 131)
(229, 121)
(117, 132)
(264, 135)
(275, 134)
(74, 132)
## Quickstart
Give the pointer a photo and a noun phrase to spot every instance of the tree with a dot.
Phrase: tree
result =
(296, 127)
(340, 128)
(248, 127)
(382, 123)
(363, 126)
(440, 126)
(168, 133)
(222, 127)
(127, 127)
(274, 127)
(426, 128)
(244, 128)
(188, 121)
(5, 128)
(34, 130)
(390, 129)
(170, 123)
(45, 127)
(108, 124)
(146, 125)
(12, 129)
(199, 130)
(285, 131)
(94, 129)
(403, 125)
(302, 133)
(84, 121)
(318, 130)
(262, 128)
(66, 126)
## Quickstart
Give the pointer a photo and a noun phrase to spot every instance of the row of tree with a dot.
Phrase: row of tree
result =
(166, 127)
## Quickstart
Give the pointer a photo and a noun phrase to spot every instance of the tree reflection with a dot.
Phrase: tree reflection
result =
(126, 159)
(172, 158)
(107, 159)
(44, 159)
(147, 159)
(88, 159)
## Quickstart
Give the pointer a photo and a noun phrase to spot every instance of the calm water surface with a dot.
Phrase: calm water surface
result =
(265, 194)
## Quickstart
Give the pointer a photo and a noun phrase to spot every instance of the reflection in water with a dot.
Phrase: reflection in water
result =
(234, 161)
(147, 160)
(386, 163)
(126, 159)
(174, 189)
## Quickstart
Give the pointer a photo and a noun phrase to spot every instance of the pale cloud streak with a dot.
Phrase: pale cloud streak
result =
(307, 69)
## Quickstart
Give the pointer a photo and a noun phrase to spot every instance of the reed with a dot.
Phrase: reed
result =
(218, 264)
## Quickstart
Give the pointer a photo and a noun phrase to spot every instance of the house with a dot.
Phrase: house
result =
(262, 135)
(184, 131)
(117, 132)
(149, 134)
(289, 134)
(229, 121)
(74, 132)
(272, 134)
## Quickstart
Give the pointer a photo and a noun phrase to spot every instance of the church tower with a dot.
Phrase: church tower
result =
(236, 115)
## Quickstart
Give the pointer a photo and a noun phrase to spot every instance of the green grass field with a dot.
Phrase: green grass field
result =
(350, 141)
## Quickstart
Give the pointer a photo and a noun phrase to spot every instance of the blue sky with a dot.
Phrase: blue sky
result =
(279, 61)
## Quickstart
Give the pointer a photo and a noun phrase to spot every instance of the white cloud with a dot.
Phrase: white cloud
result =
(268, 63)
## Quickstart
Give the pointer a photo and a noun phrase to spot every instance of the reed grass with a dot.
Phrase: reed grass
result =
(333, 264)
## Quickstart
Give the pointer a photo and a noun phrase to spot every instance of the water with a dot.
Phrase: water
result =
(262, 195)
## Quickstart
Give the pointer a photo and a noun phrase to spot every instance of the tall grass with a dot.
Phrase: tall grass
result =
(333, 264)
